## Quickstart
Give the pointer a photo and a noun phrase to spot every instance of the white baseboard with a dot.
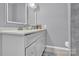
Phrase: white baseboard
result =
(58, 51)
(55, 47)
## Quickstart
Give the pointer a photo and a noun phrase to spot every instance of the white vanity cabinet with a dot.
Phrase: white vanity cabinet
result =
(32, 44)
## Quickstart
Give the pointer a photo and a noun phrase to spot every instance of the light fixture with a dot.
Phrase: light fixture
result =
(32, 5)
(35, 7)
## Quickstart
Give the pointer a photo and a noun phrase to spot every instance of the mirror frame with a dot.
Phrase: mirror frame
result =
(26, 16)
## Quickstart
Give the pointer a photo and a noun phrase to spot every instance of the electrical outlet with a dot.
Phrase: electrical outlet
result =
(67, 44)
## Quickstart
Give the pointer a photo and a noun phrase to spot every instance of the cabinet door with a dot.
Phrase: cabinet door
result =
(13, 45)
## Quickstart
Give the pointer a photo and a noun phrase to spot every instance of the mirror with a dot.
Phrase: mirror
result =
(17, 13)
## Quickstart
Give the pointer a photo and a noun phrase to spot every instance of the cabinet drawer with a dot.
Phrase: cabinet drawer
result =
(29, 39)
(36, 49)
(31, 50)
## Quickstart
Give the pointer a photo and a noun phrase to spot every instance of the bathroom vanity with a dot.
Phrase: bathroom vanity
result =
(22, 42)
(15, 42)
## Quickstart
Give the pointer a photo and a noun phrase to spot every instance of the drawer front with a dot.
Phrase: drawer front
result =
(31, 50)
(41, 44)
(36, 49)
(29, 39)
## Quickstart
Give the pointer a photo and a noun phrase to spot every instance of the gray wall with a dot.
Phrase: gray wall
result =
(55, 16)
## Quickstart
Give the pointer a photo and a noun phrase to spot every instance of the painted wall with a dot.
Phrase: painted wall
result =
(55, 16)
